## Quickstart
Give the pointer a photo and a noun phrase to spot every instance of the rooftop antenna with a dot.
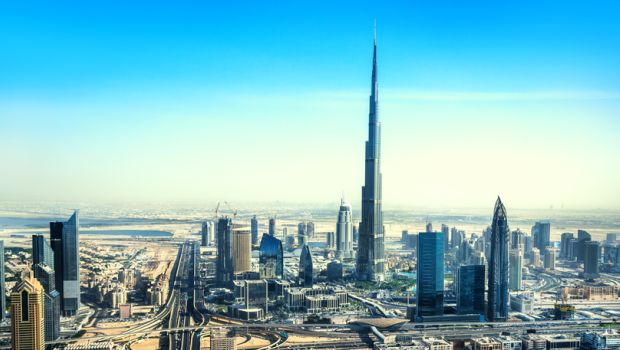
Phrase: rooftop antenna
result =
(375, 31)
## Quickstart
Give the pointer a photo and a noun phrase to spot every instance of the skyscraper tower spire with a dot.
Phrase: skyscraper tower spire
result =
(370, 256)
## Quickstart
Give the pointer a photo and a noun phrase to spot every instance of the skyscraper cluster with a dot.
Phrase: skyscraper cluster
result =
(234, 251)
(50, 286)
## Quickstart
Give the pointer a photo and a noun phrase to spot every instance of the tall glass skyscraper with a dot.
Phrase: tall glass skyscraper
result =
(272, 226)
(306, 268)
(430, 274)
(516, 270)
(370, 253)
(224, 270)
(541, 231)
(344, 231)
(470, 290)
(42, 251)
(497, 309)
(592, 257)
(271, 257)
(254, 230)
(65, 241)
(27, 315)
(43, 267)
(206, 234)
(301, 234)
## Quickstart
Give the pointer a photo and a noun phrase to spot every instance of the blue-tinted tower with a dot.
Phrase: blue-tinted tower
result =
(271, 256)
(497, 307)
(430, 274)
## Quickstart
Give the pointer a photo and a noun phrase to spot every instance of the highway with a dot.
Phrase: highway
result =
(188, 313)
(452, 331)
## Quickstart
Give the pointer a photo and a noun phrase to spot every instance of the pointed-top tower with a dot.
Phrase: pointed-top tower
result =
(497, 308)
(370, 258)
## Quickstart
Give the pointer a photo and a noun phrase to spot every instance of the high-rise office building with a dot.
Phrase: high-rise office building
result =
(470, 290)
(272, 226)
(344, 231)
(370, 251)
(516, 240)
(565, 243)
(271, 257)
(310, 229)
(446, 237)
(224, 270)
(334, 271)
(51, 305)
(430, 274)
(42, 251)
(302, 239)
(2, 283)
(528, 245)
(455, 241)
(206, 234)
(612, 238)
(27, 314)
(535, 258)
(541, 231)
(241, 249)
(330, 240)
(429, 227)
(592, 257)
(580, 247)
(65, 241)
(497, 308)
(306, 267)
(516, 270)
(254, 230)
(549, 262)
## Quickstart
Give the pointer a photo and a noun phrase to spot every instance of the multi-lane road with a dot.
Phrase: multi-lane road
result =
(188, 309)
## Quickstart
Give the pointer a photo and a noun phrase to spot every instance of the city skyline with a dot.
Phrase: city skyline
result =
(183, 111)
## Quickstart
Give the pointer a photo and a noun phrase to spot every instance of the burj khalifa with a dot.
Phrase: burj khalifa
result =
(370, 254)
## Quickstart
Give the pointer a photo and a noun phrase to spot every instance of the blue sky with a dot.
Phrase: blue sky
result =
(264, 101)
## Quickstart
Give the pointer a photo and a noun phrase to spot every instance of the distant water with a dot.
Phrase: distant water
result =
(135, 233)
(145, 233)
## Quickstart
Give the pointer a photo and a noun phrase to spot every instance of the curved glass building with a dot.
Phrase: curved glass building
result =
(497, 310)
(271, 257)
(305, 267)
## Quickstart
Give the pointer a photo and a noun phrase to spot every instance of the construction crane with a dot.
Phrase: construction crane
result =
(217, 209)
(231, 208)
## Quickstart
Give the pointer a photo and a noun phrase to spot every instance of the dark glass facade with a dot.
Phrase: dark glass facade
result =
(272, 226)
(42, 251)
(592, 257)
(254, 230)
(51, 309)
(497, 309)
(430, 274)
(71, 268)
(306, 268)
(470, 290)
(224, 270)
(541, 231)
(271, 257)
